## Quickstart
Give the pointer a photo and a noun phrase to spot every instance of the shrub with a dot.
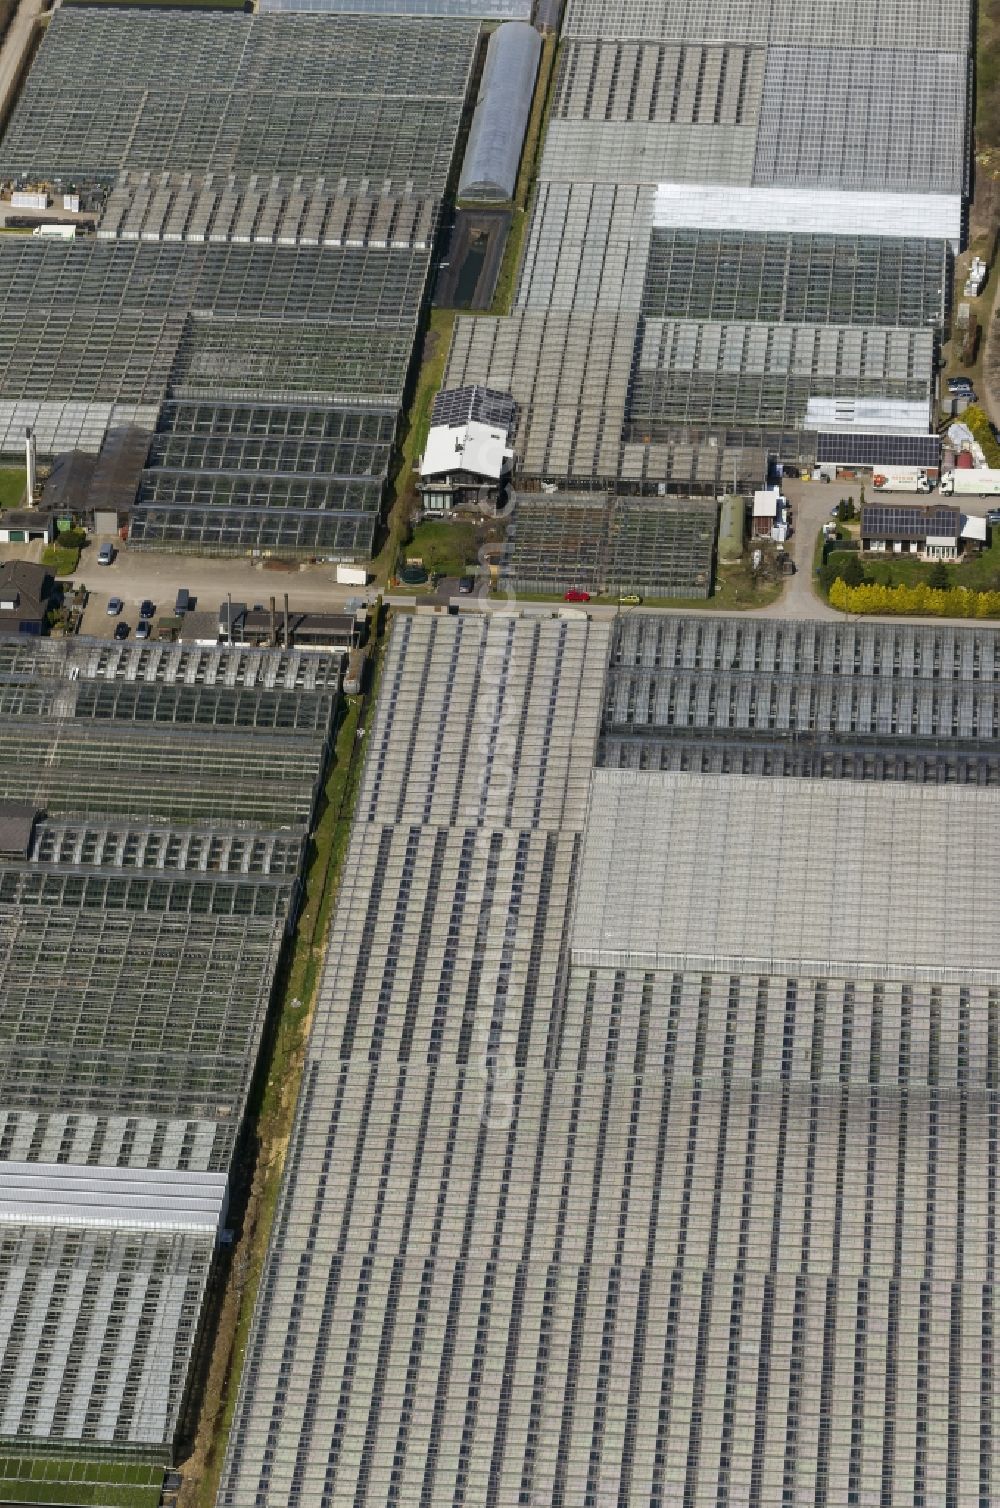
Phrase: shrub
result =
(982, 430)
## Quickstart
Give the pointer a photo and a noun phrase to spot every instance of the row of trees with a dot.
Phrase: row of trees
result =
(923, 601)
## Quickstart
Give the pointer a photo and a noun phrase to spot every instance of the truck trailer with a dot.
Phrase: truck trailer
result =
(981, 481)
(901, 479)
(349, 575)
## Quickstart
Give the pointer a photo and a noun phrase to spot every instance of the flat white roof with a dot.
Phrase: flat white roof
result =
(476, 447)
(48, 1193)
(973, 528)
(710, 206)
(765, 503)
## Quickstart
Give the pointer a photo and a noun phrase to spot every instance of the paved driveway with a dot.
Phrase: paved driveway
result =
(138, 574)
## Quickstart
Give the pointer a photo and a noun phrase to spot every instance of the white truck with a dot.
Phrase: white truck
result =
(348, 575)
(973, 481)
(901, 479)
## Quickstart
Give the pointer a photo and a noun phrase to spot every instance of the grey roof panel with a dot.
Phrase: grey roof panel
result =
(124, 1198)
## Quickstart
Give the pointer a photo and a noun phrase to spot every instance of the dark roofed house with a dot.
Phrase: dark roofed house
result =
(909, 529)
(17, 823)
(23, 526)
(26, 593)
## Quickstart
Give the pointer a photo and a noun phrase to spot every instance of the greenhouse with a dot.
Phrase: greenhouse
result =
(267, 193)
(168, 792)
(653, 547)
(776, 276)
(496, 10)
(493, 153)
(692, 966)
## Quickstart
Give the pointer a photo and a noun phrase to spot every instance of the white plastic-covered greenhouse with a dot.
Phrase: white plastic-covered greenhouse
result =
(501, 119)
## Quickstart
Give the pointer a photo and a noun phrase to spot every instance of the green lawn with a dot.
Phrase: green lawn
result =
(414, 436)
(446, 547)
(61, 560)
(980, 573)
(12, 480)
(80, 1484)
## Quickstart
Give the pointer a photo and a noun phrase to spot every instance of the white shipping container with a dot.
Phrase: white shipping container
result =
(23, 199)
(72, 203)
(972, 481)
(351, 575)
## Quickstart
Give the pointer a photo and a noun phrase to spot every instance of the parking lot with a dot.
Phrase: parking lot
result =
(136, 576)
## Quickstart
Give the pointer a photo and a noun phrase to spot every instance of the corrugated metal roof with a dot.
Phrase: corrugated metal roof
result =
(48, 1193)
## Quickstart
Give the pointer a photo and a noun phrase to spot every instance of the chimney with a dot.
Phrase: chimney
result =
(30, 465)
(287, 644)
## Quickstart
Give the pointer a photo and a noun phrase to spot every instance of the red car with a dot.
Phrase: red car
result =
(575, 596)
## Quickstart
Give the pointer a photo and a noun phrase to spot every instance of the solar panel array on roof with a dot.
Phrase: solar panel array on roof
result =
(140, 932)
(879, 450)
(465, 405)
(897, 521)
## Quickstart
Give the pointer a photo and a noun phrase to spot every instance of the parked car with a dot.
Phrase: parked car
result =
(121, 630)
(630, 599)
(993, 517)
(106, 555)
(466, 585)
(115, 605)
(148, 609)
(575, 596)
(182, 602)
(142, 629)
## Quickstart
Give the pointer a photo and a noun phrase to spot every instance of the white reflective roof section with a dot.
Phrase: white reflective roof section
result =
(48, 1193)
(708, 206)
(825, 877)
(869, 416)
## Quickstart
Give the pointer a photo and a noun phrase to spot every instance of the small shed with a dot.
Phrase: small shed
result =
(766, 511)
(499, 126)
(732, 529)
(22, 526)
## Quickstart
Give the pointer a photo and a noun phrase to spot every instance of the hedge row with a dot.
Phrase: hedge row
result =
(921, 601)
